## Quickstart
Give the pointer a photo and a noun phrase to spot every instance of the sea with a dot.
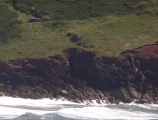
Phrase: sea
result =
(61, 109)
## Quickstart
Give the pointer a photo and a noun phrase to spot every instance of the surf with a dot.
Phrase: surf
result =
(53, 109)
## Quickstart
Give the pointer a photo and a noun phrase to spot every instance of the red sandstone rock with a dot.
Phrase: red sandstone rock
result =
(146, 57)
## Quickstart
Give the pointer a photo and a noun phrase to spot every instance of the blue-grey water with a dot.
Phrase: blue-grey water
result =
(46, 109)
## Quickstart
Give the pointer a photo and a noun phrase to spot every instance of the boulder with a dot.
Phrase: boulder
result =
(142, 101)
(69, 34)
(120, 93)
(64, 92)
(75, 37)
(133, 93)
(111, 99)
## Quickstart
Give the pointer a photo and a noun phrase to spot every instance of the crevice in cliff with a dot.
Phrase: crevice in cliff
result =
(79, 62)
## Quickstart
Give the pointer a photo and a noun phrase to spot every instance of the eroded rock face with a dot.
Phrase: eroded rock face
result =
(132, 75)
(79, 62)
(76, 76)
(48, 78)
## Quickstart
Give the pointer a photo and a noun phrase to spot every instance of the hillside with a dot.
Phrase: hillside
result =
(103, 50)
(107, 27)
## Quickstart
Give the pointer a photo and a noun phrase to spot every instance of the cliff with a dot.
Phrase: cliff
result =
(77, 76)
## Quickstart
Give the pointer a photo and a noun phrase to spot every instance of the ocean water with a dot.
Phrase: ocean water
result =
(46, 109)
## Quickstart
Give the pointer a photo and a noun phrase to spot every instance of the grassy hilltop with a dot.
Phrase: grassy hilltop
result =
(107, 27)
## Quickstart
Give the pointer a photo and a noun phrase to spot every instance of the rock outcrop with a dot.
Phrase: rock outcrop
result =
(132, 75)
(77, 76)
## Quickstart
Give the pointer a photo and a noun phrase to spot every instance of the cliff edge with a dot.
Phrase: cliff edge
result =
(78, 76)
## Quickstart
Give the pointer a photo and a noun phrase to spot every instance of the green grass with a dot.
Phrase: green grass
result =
(9, 24)
(107, 35)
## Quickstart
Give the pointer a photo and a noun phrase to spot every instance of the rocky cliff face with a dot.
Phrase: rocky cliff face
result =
(75, 75)
(132, 75)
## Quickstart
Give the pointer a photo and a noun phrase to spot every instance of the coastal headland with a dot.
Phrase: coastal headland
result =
(103, 50)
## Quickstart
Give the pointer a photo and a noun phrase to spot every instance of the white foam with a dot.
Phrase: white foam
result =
(14, 107)
(32, 102)
(104, 113)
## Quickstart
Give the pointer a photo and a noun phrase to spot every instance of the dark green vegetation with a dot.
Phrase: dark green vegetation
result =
(9, 24)
(77, 9)
(105, 26)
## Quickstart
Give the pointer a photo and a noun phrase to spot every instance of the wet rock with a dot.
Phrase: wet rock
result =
(142, 101)
(120, 93)
(133, 93)
(40, 90)
(112, 99)
(36, 95)
(156, 100)
(23, 95)
(128, 100)
(76, 100)
(56, 92)
(118, 101)
(98, 101)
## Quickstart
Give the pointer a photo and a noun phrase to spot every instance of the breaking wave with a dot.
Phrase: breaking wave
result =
(46, 109)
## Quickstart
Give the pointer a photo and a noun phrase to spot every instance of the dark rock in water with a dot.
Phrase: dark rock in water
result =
(98, 101)
(142, 101)
(112, 99)
(118, 101)
(128, 100)
(77, 101)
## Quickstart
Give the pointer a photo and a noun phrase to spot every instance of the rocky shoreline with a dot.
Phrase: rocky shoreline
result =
(77, 76)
